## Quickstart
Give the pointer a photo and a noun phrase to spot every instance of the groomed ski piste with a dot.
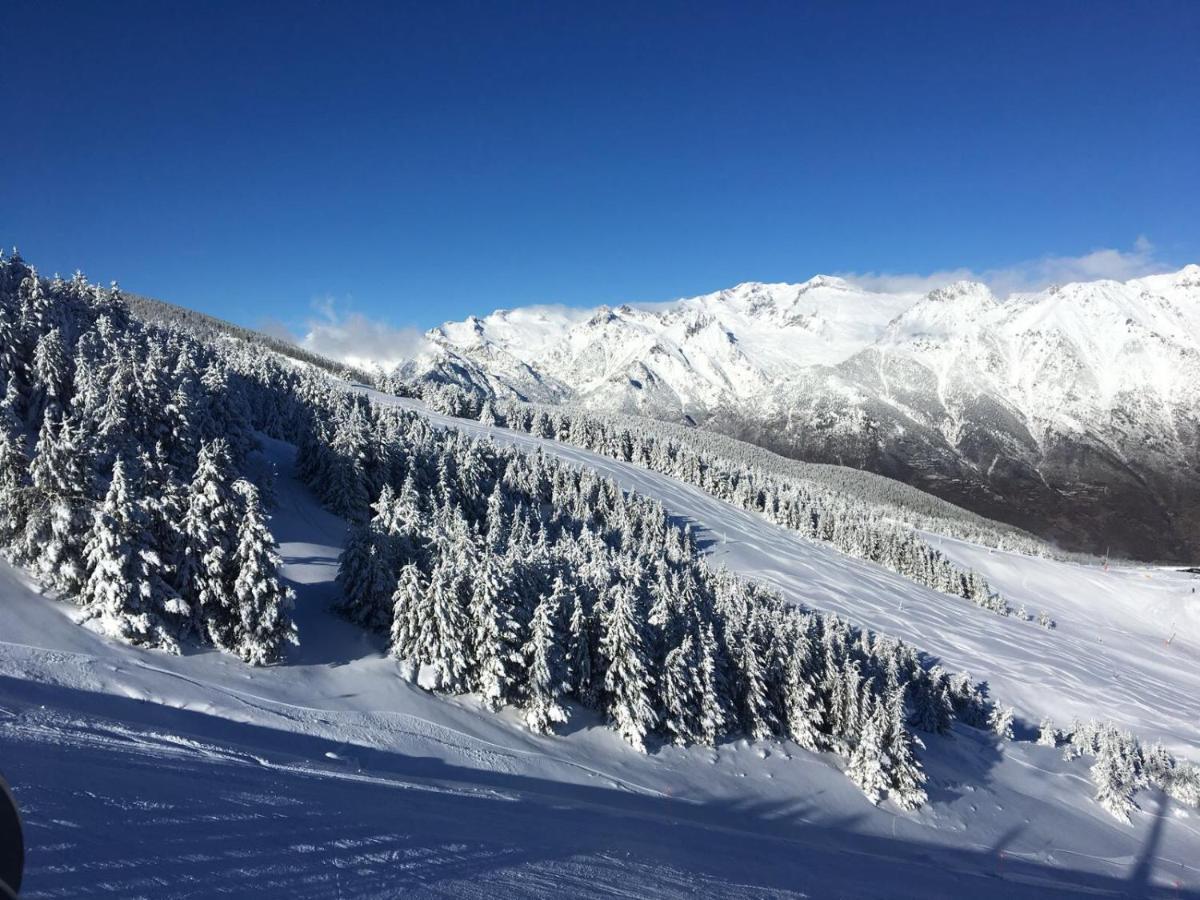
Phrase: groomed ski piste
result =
(142, 774)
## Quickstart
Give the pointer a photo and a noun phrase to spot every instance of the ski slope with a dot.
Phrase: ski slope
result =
(142, 774)
(1108, 658)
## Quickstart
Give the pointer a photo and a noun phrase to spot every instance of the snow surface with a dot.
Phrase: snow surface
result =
(142, 774)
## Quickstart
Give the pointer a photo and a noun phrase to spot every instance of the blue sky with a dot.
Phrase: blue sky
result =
(414, 164)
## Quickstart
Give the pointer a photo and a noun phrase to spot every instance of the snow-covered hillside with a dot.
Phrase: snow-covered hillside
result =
(1071, 411)
(143, 774)
(1107, 657)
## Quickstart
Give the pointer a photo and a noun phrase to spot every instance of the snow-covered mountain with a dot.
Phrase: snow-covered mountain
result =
(688, 357)
(1072, 411)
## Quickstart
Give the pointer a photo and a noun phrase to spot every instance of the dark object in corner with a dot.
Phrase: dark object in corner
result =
(12, 843)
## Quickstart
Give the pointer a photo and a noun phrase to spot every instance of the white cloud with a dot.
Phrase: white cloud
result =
(357, 340)
(1030, 275)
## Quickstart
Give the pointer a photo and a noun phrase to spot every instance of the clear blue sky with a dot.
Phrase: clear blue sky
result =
(424, 162)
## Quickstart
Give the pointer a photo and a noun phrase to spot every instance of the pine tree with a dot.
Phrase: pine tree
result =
(495, 523)
(10, 412)
(367, 566)
(844, 713)
(802, 711)
(496, 633)
(1113, 776)
(210, 528)
(1048, 735)
(407, 613)
(681, 707)
(14, 468)
(345, 488)
(164, 503)
(906, 778)
(716, 705)
(181, 419)
(1001, 722)
(262, 603)
(934, 710)
(627, 679)
(123, 591)
(546, 664)
(866, 766)
(50, 375)
(441, 624)
(60, 503)
(757, 718)
(581, 666)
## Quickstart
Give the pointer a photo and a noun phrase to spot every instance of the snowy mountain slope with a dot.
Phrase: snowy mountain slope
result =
(1107, 657)
(1072, 412)
(683, 356)
(331, 776)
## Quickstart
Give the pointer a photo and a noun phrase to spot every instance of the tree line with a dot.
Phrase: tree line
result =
(849, 517)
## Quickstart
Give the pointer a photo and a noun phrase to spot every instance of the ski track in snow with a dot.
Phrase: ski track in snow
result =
(142, 774)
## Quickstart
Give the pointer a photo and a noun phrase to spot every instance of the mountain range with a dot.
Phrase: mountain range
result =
(1073, 411)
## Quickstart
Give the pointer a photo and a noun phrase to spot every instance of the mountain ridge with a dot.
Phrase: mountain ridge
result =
(1069, 411)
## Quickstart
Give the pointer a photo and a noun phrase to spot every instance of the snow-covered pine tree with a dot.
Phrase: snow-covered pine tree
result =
(906, 778)
(182, 438)
(50, 375)
(801, 705)
(345, 488)
(1183, 785)
(407, 613)
(210, 528)
(546, 665)
(123, 591)
(867, 763)
(442, 623)
(164, 501)
(60, 505)
(1001, 722)
(933, 708)
(10, 411)
(14, 470)
(356, 568)
(1048, 734)
(262, 603)
(627, 679)
(496, 633)
(757, 719)
(368, 564)
(712, 688)
(845, 715)
(1114, 777)
(681, 707)
(224, 414)
(580, 645)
